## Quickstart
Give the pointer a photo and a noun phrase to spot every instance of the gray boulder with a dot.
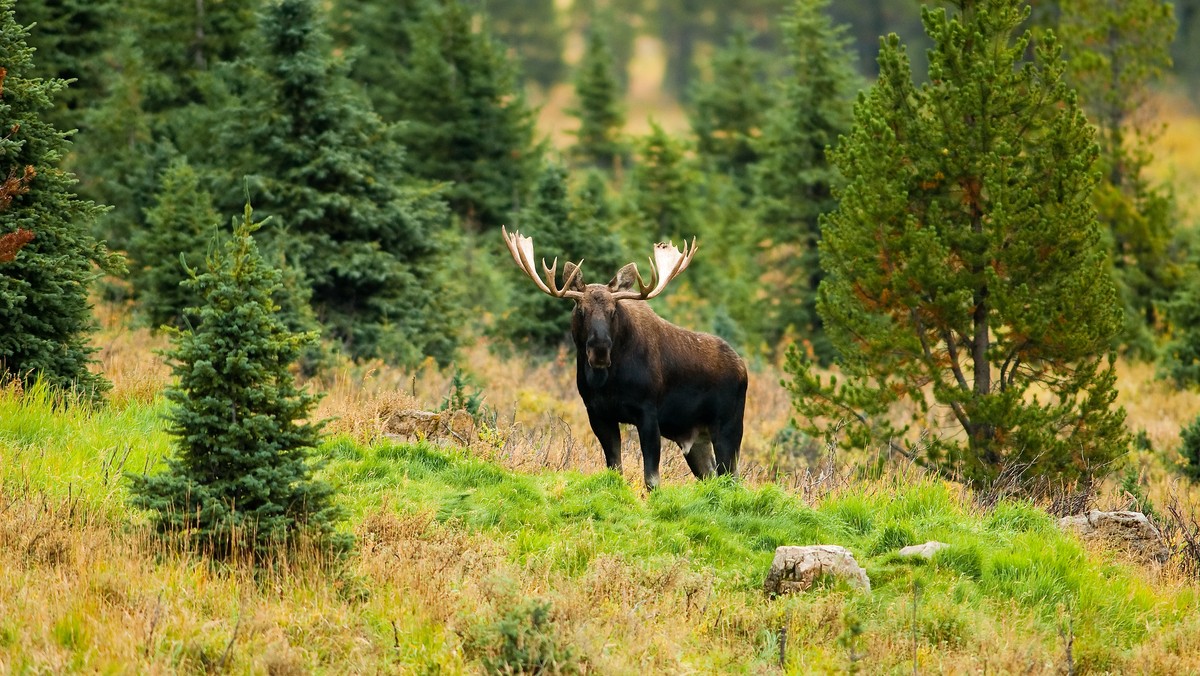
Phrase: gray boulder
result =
(1131, 531)
(796, 568)
(925, 551)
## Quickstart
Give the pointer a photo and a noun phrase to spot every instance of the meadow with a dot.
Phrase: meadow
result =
(516, 551)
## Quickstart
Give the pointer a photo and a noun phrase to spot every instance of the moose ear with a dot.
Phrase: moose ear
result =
(625, 278)
(577, 283)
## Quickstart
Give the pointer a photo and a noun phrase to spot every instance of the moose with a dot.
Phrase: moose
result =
(634, 367)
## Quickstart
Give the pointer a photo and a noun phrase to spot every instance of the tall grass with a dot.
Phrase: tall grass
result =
(62, 448)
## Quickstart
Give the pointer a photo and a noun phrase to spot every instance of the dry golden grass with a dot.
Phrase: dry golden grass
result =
(83, 595)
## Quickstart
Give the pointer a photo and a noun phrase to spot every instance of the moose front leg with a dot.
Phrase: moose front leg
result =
(608, 433)
(651, 441)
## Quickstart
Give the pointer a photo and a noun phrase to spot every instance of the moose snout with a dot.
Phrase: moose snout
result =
(599, 352)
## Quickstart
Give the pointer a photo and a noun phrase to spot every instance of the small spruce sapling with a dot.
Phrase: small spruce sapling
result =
(241, 479)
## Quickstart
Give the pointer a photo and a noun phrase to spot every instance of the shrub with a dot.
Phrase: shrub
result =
(522, 641)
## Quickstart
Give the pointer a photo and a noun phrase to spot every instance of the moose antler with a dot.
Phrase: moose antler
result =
(521, 248)
(667, 258)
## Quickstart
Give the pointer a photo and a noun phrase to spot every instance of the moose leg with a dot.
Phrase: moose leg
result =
(651, 448)
(727, 441)
(608, 433)
(700, 456)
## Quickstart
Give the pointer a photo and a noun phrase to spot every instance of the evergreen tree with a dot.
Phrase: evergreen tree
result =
(1117, 51)
(531, 28)
(617, 20)
(159, 69)
(182, 43)
(178, 229)
(44, 308)
(599, 108)
(591, 202)
(466, 120)
(117, 157)
(987, 285)
(1189, 448)
(566, 232)
(241, 478)
(728, 109)
(1181, 357)
(726, 275)
(376, 37)
(365, 233)
(662, 189)
(68, 35)
(794, 178)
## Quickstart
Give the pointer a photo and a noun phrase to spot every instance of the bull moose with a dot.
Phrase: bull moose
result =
(634, 367)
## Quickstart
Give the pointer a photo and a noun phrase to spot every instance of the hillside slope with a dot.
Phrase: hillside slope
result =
(462, 565)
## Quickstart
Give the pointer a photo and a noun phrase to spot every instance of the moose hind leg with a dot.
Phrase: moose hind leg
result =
(727, 443)
(699, 456)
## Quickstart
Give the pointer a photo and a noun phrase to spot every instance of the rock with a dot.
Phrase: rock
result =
(1128, 530)
(926, 550)
(796, 568)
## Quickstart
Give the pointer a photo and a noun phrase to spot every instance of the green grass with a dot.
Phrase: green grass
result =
(77, 451)
(1007, 567)
(1007, 563)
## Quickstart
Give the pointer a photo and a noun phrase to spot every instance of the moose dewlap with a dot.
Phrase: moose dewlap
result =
(634, 367)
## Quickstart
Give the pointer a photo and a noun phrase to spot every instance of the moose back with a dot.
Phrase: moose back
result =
(636, 368)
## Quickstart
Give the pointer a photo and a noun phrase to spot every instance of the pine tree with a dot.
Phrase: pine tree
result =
(794, 178)
(599, 108)
(365, 232)
(729, 108)
(465, 118)
(68, 35)
(594, 235)
(181, 43)
(987, 286)
(159, 69)
(377, 37)
(44, 308)
(1117, 51)
(615, 19)
(178, 230)
(662, 188)
(1189, 449)
(531, 29)
(1181, 356)
(241, 479)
